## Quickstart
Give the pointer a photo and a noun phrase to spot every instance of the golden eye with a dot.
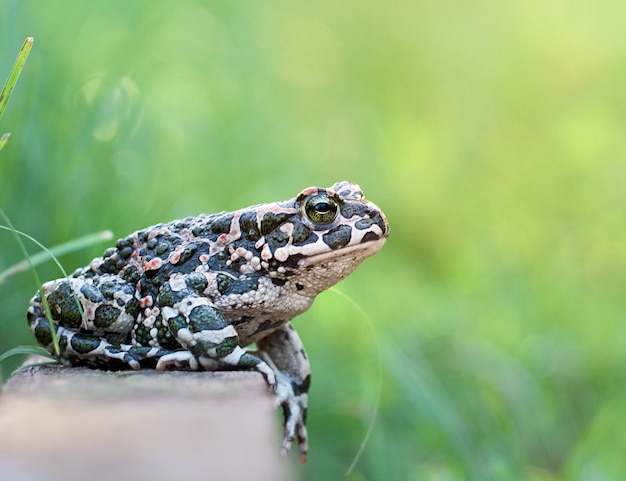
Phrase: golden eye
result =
(321, 209)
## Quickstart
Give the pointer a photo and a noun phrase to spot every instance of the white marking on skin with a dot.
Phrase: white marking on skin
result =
(309, 191)
(234, 356)
(222, 240)
(174, 256)
(282, 254)
(178, 283)
(168, 313)
(122, 324)
(215, 337)
(235, 230)
(153, 352)
(186, 305)
(157, 231)
(177, 358)
(145, 302)
(122, 295)
(246, 268)
(90, 312)
(153, 332)
(266, 253)
(153, 264)
(149, 321)
(287, 228)
(95, 264)
(185, 337)
(49, 287)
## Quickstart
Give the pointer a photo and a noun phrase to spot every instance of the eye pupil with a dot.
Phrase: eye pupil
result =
(321, 209)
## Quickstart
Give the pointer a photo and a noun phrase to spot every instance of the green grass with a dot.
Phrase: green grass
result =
(490, 133)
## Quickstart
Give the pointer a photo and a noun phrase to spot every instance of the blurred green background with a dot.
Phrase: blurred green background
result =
(493, 134)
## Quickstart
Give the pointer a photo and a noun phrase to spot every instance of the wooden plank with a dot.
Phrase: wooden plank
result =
(76, 423)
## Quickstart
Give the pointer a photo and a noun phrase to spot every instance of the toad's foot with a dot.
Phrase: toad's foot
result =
(294, 404)
(239, 359)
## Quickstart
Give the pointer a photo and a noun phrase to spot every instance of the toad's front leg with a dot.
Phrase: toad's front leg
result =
(209, 341)
(284, 352)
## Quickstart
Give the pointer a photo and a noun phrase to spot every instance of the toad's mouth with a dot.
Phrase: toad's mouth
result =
(357, 252)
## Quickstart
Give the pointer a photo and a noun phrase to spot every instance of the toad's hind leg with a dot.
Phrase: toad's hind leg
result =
(78, 348)
(210, 342)
(82, 348)
(91, 317)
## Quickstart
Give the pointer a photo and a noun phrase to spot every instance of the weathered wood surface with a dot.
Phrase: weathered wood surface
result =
(80, 424)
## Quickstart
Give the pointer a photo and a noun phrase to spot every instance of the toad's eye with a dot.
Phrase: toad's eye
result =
(321, 208)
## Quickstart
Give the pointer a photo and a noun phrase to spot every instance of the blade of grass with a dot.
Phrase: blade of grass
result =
(379, 377)
(28, 351)
(16, 233)
(12, 80)
(31, 261)
(3, 139)
(14, 74)
(56, 251)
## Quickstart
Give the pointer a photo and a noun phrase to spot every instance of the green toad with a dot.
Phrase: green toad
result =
(193, 293)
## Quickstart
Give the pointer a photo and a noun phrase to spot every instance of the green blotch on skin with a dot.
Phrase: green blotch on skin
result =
(227, 346)
(197, 281)
(162, 248)
(248, 360)
(64, 307)
(224, 282)
(271, 221)
(169, 297)
(187, 253)
(222, 224)
(277, 238)
(177, 323)
(142, 334)
(42, 332)
(105, 316)
(248, 225)
(166, 339)
(132, 307)
(350, 209)
(338, 237)
(302, 234)
(204, 318)
(91, 293)
(84, 344)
